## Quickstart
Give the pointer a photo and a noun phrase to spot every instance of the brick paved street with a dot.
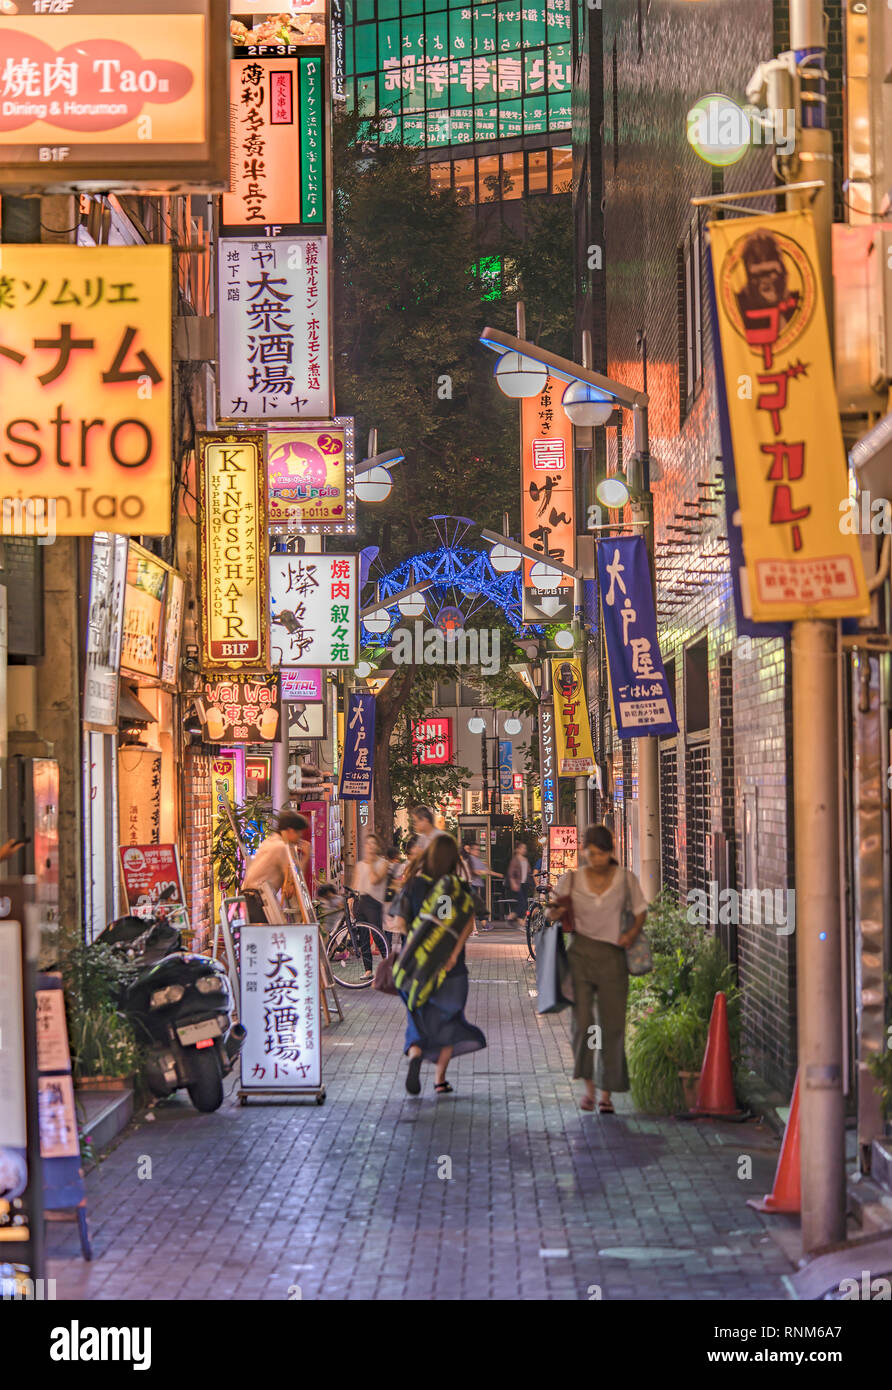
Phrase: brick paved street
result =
(345, 1201)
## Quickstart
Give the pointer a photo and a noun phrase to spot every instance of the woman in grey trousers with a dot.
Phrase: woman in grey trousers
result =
(598, 893)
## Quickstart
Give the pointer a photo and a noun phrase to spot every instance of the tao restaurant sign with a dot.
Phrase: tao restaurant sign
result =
(233, 543)
(113, 94)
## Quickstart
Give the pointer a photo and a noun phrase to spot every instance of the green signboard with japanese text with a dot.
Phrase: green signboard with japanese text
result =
(443, 73)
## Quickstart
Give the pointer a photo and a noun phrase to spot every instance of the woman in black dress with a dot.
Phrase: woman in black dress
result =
(438, 1029)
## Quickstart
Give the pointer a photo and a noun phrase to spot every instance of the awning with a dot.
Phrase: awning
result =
(130, 711)
(871, 459)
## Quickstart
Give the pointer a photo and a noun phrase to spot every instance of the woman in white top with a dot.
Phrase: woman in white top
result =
(597, 895)
(370, 882)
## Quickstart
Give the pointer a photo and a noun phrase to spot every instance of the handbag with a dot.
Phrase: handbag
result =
(383, 981)
(639, 959)
(554, 984)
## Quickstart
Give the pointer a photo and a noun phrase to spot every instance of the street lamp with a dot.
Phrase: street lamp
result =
(412, 603)
(520, 376)
(373, 482)
(613, 492)
(564, 639)
(590, 393)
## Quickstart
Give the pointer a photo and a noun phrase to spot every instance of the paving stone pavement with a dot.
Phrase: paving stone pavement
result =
(345, 1200)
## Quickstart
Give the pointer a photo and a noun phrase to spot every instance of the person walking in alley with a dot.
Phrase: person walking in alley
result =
(599, 895)
(518, 878)
(370, 882)
(438, 1030)
(270, 863)
(423, 826)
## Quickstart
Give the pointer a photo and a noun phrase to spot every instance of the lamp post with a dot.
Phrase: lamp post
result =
(592, 399)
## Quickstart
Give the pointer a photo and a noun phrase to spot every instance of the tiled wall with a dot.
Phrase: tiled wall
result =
(198, 844)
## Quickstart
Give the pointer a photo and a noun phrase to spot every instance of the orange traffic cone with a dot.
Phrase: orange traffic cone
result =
(786, 1194)
(715, 1092)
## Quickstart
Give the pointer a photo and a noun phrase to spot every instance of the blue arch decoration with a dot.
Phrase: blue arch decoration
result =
(460, 575)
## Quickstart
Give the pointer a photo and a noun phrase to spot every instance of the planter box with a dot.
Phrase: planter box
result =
(690, 1080)
(102, 1083)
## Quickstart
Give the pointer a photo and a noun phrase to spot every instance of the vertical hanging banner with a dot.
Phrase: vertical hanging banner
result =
(338, 52)
(276, 105)
(574, 736)
(234, 546)
(639, 690)
(105, 629)
(273, 340)
(359, 749)
(313, 602)
(85, 384)
(548, 510)
(785, 430)
(547, 762)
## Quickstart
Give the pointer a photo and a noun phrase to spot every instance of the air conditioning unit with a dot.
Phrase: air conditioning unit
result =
(860, 292)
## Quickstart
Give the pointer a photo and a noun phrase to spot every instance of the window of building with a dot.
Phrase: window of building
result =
(537, 171)
(488, 178)
(463, 170)
(696, 687)
(561, 170)
(441, 175)
(512, 175)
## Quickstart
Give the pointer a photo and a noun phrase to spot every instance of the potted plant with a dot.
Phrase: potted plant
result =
(105, 1052)
(666, 1051)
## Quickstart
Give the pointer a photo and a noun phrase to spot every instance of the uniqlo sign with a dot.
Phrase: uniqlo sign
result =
(431, 742)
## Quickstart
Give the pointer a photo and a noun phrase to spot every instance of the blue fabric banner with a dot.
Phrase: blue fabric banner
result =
(639, 690)
(359, 749)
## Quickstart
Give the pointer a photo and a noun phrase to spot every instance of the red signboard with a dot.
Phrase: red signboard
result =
(150, 871)
(432, 742)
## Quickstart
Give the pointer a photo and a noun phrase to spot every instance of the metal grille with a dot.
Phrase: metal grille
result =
(669, 818)
(697, 798)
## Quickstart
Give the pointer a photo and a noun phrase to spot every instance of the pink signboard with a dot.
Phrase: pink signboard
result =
(316, 812)
(151, 871)
(304, 686)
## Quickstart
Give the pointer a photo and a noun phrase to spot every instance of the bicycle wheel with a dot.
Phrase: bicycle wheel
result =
(345, 956)
(534, 922)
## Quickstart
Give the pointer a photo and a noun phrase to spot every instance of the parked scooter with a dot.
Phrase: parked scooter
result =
(180, 1006)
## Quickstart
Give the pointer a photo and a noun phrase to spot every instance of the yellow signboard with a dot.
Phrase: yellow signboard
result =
(575, 756)
(85, 386)
(788, 449)
(234, 551)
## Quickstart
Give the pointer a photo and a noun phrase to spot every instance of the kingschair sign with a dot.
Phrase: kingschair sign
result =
(639, 689)
(784, 420)
(233, 540)
(85, 396)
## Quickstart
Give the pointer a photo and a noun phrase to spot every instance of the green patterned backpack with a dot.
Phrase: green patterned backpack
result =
(421, 966)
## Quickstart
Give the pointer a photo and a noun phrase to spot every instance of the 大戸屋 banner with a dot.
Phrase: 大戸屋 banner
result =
(639, 690)
(784, 421)
(359, 749)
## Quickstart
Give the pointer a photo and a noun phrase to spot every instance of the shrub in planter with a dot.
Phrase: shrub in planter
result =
(664, 1043)
(103, 1045)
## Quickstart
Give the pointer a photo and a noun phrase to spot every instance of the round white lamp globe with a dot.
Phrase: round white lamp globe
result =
(513, 726)
(503, 560)
(563, 638)
(377, 622)
(520, 376)
(362, 670)
(412, 606)
(586, 405)
(612, 493)
(544, 576)
(476, 725)
(374, 486)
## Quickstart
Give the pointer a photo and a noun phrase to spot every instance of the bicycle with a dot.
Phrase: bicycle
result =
(344, 950)
(535, 919)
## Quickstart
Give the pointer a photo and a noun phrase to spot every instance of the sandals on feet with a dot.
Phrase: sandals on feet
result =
(605, 1107)
(587, 1103)
(443, 1088)
(413, 1076)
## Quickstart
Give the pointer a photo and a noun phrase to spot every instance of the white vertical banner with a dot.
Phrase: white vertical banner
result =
(280, 1007)
(273, 347)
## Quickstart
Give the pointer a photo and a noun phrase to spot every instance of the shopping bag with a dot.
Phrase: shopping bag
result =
(553, 981)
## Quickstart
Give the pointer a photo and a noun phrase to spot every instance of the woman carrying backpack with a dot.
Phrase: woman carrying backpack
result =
(606, 910)
(434, 898)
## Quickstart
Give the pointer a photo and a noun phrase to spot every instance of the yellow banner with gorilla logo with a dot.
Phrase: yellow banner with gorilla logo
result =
(780, 397)
(575, 756)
